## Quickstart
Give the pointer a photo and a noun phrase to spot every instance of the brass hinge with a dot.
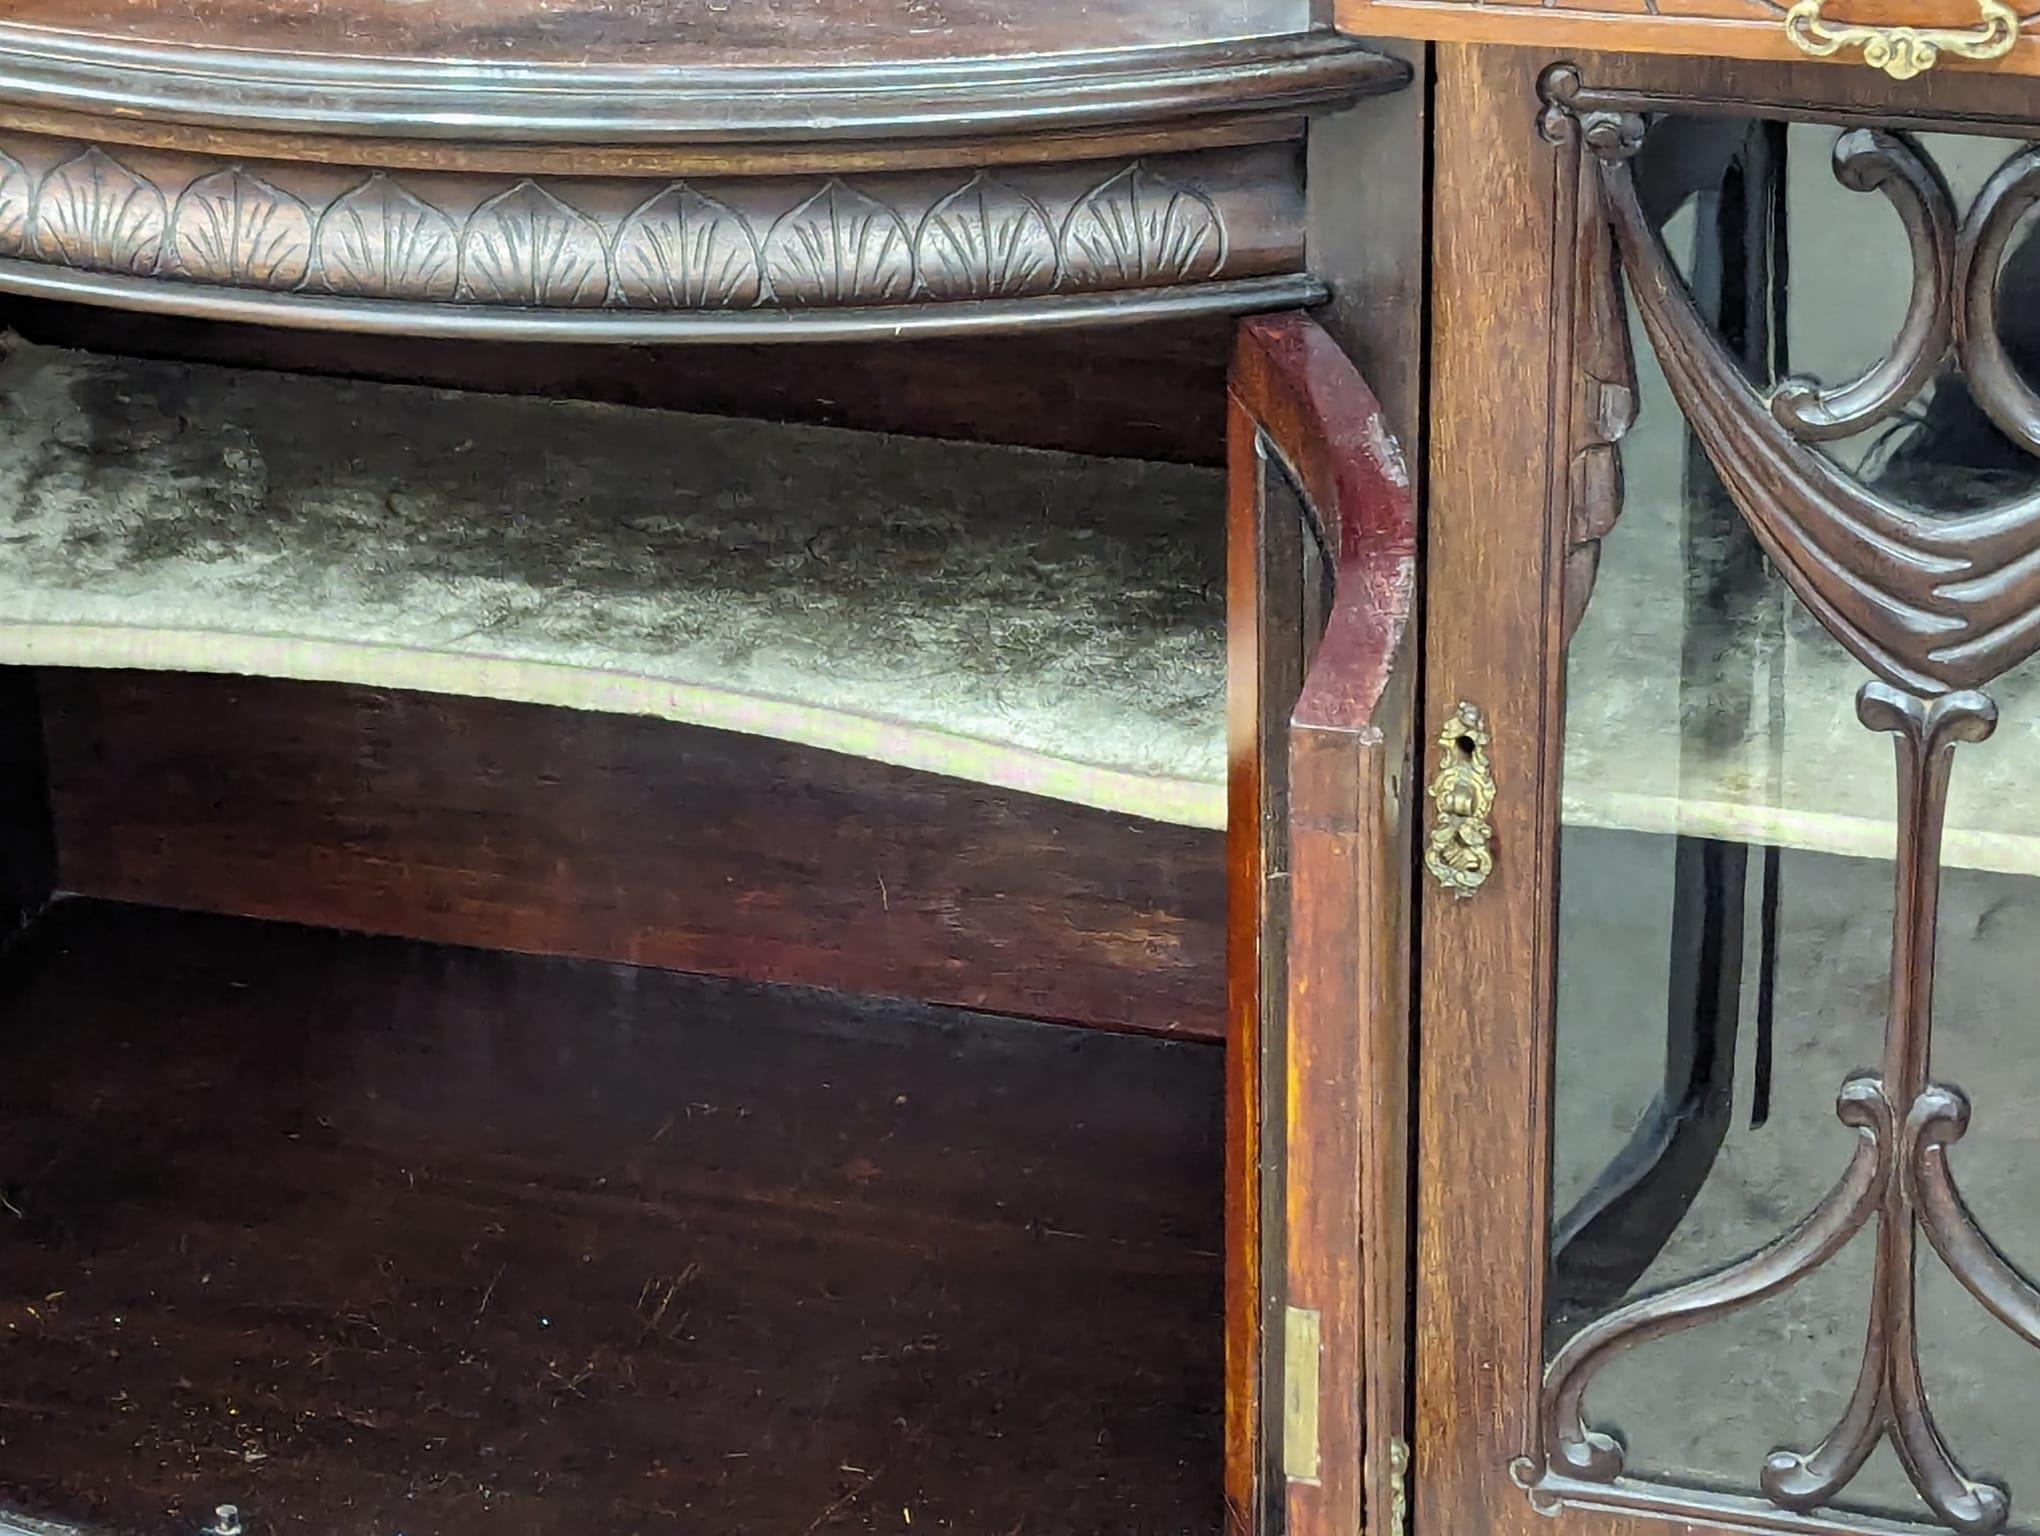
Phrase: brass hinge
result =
(1302, 1344)
(1302, 1337)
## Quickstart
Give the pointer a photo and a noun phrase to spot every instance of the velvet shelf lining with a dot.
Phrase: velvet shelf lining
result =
(1039, 621)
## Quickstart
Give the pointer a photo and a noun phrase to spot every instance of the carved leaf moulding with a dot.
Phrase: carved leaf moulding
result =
(238, 225)
(987, 241)
(381, 242)
(557, 244)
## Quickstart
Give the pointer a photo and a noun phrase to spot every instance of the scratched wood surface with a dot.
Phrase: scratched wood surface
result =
(365, 1235)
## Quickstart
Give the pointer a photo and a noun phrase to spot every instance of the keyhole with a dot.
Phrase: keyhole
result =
(1465, 744)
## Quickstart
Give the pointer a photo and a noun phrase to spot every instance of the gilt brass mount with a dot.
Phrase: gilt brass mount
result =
(1462, 791)
(1902, 52)
(1398, 1487)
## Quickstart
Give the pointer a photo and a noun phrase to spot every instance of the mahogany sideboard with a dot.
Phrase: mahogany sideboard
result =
(729, 500)
(669, 668)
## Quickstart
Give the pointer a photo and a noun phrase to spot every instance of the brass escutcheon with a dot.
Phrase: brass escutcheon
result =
(1463, 792)
(1902, 52)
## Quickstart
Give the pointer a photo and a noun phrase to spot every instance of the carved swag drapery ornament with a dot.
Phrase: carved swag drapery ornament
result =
(1936, 607)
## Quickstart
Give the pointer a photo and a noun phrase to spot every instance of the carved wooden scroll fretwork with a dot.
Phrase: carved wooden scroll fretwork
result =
(1930, 603)
(1936, 607)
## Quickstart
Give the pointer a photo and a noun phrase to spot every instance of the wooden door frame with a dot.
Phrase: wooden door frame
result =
(1504, 523)
(1320, 589)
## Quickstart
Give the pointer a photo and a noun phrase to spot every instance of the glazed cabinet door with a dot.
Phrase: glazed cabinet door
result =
(1319, 591)
(1727, 1196)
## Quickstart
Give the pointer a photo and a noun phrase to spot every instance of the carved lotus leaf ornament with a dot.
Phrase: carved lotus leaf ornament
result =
(93, 212)
(1138, 226)
(841, 246)
(527, 248)
(1935, 606)
(383, 241)
(17, 199)
(723, 248)
(987, 241)
(684, 249)
(231, 227)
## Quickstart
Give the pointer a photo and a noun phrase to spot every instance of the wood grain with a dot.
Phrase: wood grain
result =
(1499, 318)
(554, 832)
(1265, 619)
(1344, 1095)
(1366, 234)
(366, 1235)
(1500, 523)
(1705, 29)
(1319, 751)
(838, 74)
(663, 32)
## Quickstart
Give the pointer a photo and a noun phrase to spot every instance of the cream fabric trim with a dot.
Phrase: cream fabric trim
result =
(1181, 801)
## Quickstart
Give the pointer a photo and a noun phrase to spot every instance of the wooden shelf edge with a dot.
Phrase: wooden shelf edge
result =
(387, 317)
(458, 102)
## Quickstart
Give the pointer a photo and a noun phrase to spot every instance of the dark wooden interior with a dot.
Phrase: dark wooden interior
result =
(1152, 392)
(547, 832)
(367, 1235)
(368, 1159)
(514, 826)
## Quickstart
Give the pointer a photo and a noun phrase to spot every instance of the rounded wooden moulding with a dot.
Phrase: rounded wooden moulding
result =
(649, 192)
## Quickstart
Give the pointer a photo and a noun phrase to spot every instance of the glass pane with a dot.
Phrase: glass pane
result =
(1728, 865)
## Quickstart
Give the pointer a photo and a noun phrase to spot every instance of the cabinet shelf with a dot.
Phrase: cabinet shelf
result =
(1745, 729)
(1038, 621)
(358, 1234)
